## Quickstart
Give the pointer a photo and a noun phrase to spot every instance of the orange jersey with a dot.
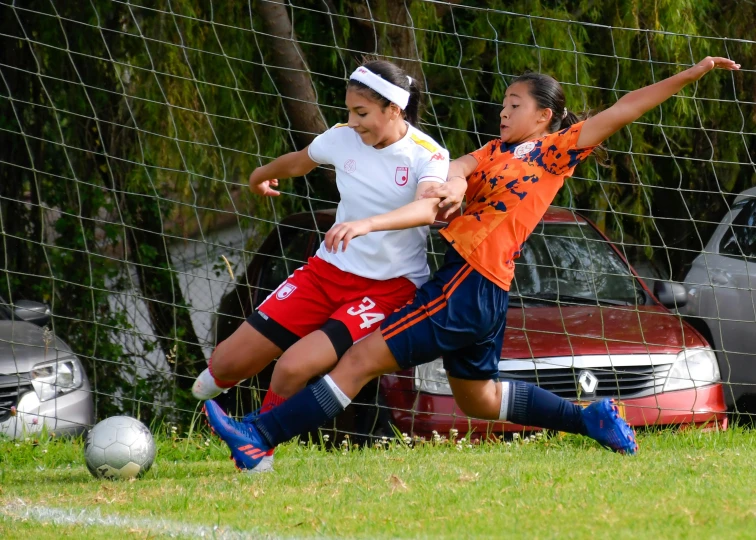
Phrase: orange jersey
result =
(507, 195)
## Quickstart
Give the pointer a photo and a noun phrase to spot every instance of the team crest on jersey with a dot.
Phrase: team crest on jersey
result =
(523, 149)
(285, 290)
(350, 166)
(401, 176)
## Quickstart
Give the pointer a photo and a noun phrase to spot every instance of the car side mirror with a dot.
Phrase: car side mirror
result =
(33, 312)
(671, 295)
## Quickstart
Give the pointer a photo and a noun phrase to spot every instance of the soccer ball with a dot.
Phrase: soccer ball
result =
(119, 447)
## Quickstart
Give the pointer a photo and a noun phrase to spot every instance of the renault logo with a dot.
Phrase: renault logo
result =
(588, 382)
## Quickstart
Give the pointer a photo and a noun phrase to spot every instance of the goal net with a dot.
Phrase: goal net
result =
(130, 128)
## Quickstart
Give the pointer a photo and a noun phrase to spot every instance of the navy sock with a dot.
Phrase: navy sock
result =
(306, 410)
(534, 406)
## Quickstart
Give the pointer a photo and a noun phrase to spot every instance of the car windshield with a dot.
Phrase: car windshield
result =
(572, 262)
(565, 262)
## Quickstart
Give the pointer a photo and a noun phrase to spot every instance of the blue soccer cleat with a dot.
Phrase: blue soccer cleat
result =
(248, 447)
(603, 423)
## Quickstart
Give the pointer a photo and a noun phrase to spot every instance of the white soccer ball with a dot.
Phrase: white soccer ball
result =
(119, 447)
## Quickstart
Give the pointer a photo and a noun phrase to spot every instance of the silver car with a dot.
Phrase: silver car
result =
(42, 382)
(721, 300)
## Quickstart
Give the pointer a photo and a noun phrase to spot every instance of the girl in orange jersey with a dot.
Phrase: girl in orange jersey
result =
(460, 313)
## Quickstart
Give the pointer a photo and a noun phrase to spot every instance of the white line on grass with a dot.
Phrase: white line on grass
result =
(89, 518)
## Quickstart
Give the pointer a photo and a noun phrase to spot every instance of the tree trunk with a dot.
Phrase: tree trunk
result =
(291, 74)
(395, 39)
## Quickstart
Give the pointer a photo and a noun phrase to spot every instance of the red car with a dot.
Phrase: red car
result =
(580, 324)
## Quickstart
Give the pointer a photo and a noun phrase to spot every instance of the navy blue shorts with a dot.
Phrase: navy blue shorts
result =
(458, 315)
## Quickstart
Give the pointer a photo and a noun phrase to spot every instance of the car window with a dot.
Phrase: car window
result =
(5, 310)
(740, 239)
(280, 264)
(573, 260)
(563, 259)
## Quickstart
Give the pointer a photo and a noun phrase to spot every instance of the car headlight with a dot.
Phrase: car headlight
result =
(692, 368)
(431, 378)
(52, 379)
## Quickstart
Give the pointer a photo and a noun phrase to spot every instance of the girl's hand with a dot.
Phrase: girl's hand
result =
(709, 63)
(263, 187)
(344, 232)
(451, 194)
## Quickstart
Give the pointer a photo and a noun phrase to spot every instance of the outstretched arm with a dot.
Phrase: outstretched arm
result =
(632, 106)
(415, 214)
(286, 166)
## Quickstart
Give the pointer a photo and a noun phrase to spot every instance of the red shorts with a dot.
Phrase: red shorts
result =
(319, 291)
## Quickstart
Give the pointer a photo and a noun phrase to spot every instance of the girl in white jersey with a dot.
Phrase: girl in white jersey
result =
(383, 165)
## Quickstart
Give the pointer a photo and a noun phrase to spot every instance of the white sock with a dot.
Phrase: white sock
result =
(506, 390)
(340, 396)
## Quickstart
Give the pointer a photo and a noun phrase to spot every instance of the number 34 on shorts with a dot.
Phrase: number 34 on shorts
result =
(362, 310)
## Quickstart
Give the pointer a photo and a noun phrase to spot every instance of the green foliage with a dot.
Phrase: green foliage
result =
(474, 53)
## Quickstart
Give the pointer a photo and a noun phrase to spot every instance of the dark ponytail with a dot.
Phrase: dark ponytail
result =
(569, 118)
(548, 94)
(398, 77)
(412, 111)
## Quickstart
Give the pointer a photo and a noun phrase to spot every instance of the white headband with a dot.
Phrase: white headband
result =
(388, 90)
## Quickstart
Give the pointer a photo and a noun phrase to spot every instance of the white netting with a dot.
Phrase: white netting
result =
(130, 129)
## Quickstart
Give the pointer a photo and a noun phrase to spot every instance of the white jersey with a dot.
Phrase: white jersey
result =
(373, 182)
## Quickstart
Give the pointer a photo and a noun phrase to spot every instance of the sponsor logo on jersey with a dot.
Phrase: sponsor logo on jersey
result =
(285, 290)
(438, 156)
(523, 149)
(401, 176)
(350, 166)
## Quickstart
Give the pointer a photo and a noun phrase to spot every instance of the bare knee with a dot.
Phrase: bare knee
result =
(311, 356)
(289, 376)
(358, 367)
(244, 354)
(361, 363)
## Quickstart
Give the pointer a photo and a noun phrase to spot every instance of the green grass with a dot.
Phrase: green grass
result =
(680, 485)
